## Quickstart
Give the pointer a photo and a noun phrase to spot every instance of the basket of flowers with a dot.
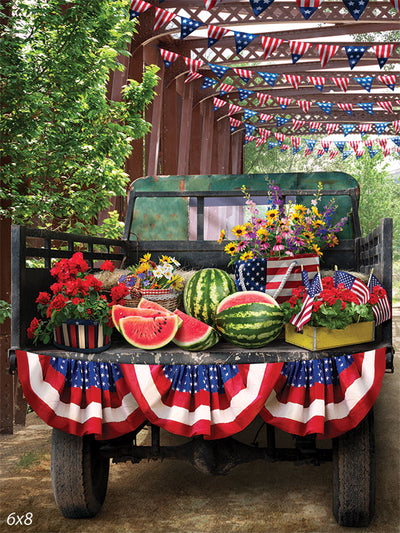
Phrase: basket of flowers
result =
(75, 315)
(160, 282)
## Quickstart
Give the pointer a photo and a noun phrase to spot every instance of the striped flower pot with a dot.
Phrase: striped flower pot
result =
(83, 336)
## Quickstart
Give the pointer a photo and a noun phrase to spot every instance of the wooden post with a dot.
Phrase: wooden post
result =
(134, 165)
(237, 153)
(224, 145)
(153, 152)
(185, 129)
(207, 131)
(195, 141)
(169, 131)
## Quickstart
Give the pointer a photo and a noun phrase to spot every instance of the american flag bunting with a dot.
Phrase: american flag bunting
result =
(270, 44)
(308, 7)
(293, 80)
(342, 83)
(264, 117)
(298, 49)
(383, 52)
(389, 80)
(162, 17)
(215, 33)
(138, 7)
(259, 6)
(326, 52)
(317, 81)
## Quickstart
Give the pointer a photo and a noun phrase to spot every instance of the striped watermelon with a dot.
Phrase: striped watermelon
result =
(203, 292)
(245, 297)
(250, 325)
(194, 335)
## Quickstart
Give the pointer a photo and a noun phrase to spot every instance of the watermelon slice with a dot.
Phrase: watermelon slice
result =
(149, 333)
(120, 311)
(147, 304)
(194, 335)
(245, 297)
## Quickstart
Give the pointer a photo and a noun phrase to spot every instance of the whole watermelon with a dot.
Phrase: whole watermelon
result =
(250, 325)
(203, 292)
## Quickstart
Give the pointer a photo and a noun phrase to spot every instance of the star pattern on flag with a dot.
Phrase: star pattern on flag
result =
(242, 40)
(308, 7)
(188, 26)
(325, 106)
(250, 129)
(219, 70)
(340, 145)
(368, 107)
(383, 52)
(271, 145)
(348, 128)
(310, 143)
(248, 113)
(281, 121)
(244, 94)
(259, 6)
(365, 82)
(355, 7)
(381, 126)
(208, 82)
(354, 54)
(347, 153)
(269, 77)
(372, 153)
(138, 7)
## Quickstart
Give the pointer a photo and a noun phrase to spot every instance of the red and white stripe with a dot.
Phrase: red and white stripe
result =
(234, 122)
(382, 142)
(280, 136)
(369, 142)
(320, 152)
(383, 51)
(331, 128)
(226, 87)
(284, 147)
(192, 76)
(260, 141)
(169, 56)
(388, 79)
(298, 124)
(325, 144)
(209, 4)
(293, 80)
(360, 152)
(283, 101)
(307, 152)
(305, 106)
(162, 17)
(365, 128)
(263, 98)
(243, 73)
(333, 154)
(265, 117)
(326, 52)
(299, 47)
(345, 107)
(139, 6)
(270, 44)
(387, 106)
(342, 83)
(193, 64)
(217, 102)
(396, 126)
(233, 108)
(354, 145)
(264, 133)
(295, 141)
(315, 125)
(316, 80)
(216, 32)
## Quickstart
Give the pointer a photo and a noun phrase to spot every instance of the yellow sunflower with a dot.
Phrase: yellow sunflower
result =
(246, 255)
(272, 215)
(315, 211)
(145, 258)
(300, 208)
(318, 223)
(317, 250)
(230, 248)
(332, 240)
(262, 232)
(239, 231)
(308, 236)
(221, 236)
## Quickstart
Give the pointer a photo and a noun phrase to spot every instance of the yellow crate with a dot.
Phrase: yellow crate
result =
(324, 338)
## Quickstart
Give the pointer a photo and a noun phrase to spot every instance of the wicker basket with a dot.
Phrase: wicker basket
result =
(163, 297)
(133, 299)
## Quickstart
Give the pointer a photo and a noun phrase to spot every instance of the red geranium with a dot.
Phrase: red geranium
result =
(108, 265)
(43, 298)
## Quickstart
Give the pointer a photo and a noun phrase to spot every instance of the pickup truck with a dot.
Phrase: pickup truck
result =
(172, 215)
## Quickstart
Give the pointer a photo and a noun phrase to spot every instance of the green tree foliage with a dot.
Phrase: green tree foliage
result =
(64, 141)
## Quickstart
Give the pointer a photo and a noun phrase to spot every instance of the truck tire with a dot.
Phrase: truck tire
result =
(354, 475)
(79, 475)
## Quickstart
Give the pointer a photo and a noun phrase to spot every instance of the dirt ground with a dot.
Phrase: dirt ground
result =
(171, 496)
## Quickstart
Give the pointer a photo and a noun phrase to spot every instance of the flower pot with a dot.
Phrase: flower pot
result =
(321, 338)
(251, 275)
(85, 336)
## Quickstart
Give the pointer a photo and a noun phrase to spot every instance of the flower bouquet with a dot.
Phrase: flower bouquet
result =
(76, 314)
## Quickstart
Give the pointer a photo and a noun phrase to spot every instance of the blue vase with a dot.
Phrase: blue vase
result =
(251, 275)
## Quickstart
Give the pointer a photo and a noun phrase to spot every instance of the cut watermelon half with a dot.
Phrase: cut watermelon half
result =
(194, 335)
(245, 297)
(147, 304)
(149, 333)
(120, 311)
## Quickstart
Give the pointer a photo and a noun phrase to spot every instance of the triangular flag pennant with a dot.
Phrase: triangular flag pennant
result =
(308, 7)
(298, 124)
(242, 40)
(209, 4)
(162, 17)
(388, 80)
(263, 98)
(215, 33)
(217, 102)
(346, 107)
(235, 123)
(269, 77)
(372, 153)
(138, 7)
(354, 145)
(333, 153)
(340, 145)
(381, 126)
(326, 52)
(305, 106)
(325, 145)
(364, 129)
(192, 76)
(387, 106)
(244, 93)
(264, 117)
(293, 80)
(331, 128)
(218, 70)
(193, 64)
(320, 153)
(249, 113)
(382, 143)
(354, 54)
(368, 107)
(368, 142)
(298, 49)
(365, 82)
(244, 74)
(234, 109)
(383, 52)
(188, 26)
(259, 6)
(264, 133)
(295, 141)
(280, 137)
(386, 152)
(359, 153)
(307, 152)
(325, 106)
(280, 121)
(342, 83)
(283, 102)
(168, 57)
(355, 7)
(395, 140)
(284, 147)
(208, 82)
(270, 44)
(271, 145)
(225, 88)
(396, 5)
(260, 141)
(248, 138)
(396, 126)
(250, 128)
(347, 153)
(317, 81)
(310, 143)
(348, 128)
(314, 126)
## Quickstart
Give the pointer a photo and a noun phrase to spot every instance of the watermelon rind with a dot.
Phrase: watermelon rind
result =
(120, 311)
(199, 336)
(252, 325)
(149, 333)
(245, 297)
(204, 291)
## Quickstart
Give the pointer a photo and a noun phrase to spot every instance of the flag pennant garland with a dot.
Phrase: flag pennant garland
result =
(264, 117)
(242, 40)
(193, 64)
(233, 108)
(314, 126)
(208, 82)
(298, 49)
(270, 44)
(347, 153)
(331, 128)
(264, 133)
(354, 145)
(293, 80)
(280, 137)
(320, 153)
(372, 153)
(235, 123)
(298, 124)
(263, 98)
(305, 106)
(342, 83)
(382, 143)
(325, 145)
(326, 107)
(295, 141)
(310, 143)
(188, 26)
(317, 81)
(269, 77)
(249, 113)
(326, 52)
(346, 107)
(218, 70)
(359, 153)
(396, 126)
(386, 152)
(340, 145)
(354, 54)
(304, 315)
(215, 33)
(217, 103)
(192, 76)
(381, 126)
(244, 74)
(225, 88)
(138, 7)
(162, 17)
(307, 152)
(368, 107)
(369, 142)
(348, 128)
(395, 140)
(308, 7)
(388, 80)
(168, 57)
(383, 52)
(244, 94)
(353, 284)
(387, 106)
(333, 153)
(281, 121)
(396, 5)
(355, 7)
(250, 129)
(364, 129)
(283, 102)
(284, 147)
(260, 141)
(259, 6)
(365, 82)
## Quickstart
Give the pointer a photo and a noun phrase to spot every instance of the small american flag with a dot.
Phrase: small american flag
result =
(353, 284)
(315, 288)
(381, 310)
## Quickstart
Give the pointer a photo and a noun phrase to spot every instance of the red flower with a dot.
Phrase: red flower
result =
(293, 301)
(57, 287)
(33, 327)
(317, 305)
(43, 298)
(327, 283)
(59, 301)
(373, 299)
(75, 301)
(108, 265)
(379, 291)
(118, 293)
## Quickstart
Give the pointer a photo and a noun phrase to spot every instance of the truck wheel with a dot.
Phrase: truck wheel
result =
(354, 475)
(79, 475)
